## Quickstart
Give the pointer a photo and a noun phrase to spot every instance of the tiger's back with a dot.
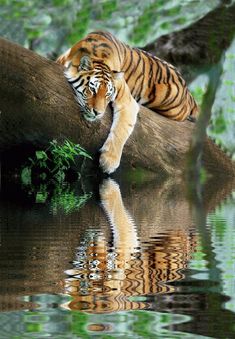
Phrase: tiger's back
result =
(152, 82)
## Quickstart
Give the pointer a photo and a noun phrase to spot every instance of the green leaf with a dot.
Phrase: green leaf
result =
(41, 155)
(26, 176)
(41, 197)
(43, 176)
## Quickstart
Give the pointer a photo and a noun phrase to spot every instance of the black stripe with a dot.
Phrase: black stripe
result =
(123, 47)
(152, 93)
(106, 78)
(80, 84)
(158, 70)
(193, 108)
(151, 72)
(124, 56)
(173, 107)
(138, 95)
(172, 100)
(101, 65)
(136, 66)
(77, 90)
(136, 85)
(179, 77)
(103, 44)
(117, 47)
(168, 73)
(109, 37)
(75, 80)
(130, 62)
(160, 74)
(168, 92)
(152, 61)
(84, 50)
(183, 110)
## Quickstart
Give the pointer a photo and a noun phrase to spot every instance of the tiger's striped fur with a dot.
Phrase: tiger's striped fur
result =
(104, 70)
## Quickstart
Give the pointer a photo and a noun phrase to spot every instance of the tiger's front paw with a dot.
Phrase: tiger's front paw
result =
(109, 161)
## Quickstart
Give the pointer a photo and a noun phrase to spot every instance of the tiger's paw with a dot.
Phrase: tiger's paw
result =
(109, 161)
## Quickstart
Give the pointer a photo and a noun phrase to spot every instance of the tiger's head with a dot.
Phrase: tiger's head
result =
(94, 86)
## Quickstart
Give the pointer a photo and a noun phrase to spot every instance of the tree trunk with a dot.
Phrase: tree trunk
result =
(37, 105)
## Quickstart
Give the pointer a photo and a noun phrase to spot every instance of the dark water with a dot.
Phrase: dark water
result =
(134, 261)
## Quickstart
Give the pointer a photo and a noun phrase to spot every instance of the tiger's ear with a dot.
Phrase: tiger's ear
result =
(86, 63)
(118, 75)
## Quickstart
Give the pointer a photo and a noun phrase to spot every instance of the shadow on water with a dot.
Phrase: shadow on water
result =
(121, 262)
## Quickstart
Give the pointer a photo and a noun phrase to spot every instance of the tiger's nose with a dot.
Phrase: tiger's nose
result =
(97, 113)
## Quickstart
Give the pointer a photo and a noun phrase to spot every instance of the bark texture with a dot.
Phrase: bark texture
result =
(37, 105)
(199, 46)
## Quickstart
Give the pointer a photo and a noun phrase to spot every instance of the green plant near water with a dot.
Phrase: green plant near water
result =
(54, 162)
(46, 176)
(65, 199)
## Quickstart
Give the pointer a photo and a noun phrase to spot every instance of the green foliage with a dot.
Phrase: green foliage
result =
(79, 324)
(61, 197)
(219, 226)
(81, 22)
(198, 93)
(66, 200)
(46, 174)
(49, 27)
(41, 194)
(53, 163)
(33, 328)
(144, 23)
(218, 124)
(26, 175)
(108, 8)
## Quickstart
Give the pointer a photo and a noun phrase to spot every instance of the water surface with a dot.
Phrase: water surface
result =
(125, 260)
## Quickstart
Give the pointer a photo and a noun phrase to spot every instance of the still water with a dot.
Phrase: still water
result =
(124, 260)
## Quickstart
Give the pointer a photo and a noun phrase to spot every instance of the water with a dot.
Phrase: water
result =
(146, 260)
(134, 261)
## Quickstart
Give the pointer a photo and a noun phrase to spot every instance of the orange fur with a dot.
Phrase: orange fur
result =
(137, 76)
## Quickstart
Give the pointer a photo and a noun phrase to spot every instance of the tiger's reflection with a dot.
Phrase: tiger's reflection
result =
(109, 276)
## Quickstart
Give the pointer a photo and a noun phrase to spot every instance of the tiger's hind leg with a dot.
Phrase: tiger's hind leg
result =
(124, 118)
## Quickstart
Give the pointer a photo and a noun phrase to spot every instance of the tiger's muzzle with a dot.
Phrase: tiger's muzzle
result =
(92, 115)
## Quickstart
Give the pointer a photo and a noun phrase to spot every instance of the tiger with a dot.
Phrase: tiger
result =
(102, 70)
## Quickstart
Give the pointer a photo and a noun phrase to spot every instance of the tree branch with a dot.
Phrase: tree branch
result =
(199, 45)
(37, 105)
